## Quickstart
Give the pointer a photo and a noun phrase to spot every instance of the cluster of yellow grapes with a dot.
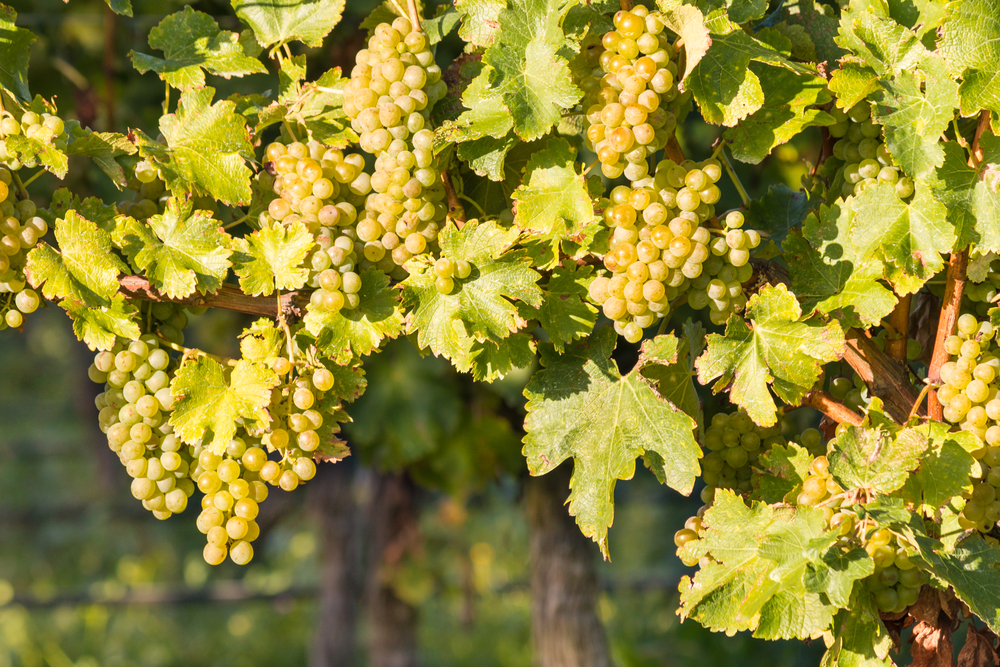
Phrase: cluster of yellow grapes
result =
(44, 127)
(447, 271)
(20, 230)
(393, 87)
(627, 122)
(867, 159)
(734, 443)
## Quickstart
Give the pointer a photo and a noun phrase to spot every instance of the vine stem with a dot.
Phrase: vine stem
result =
(899, 320)
(886, 378)
(21, 190)
(455, 209)
(953, 290)
(734, 178)
(34, 177)
(227, 297)
(673, 150)
(193, 352)
(977, 151)
(831, 407)
(411, 6)
(234, 223)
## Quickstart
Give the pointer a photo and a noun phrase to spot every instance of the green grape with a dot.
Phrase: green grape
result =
(866, 159)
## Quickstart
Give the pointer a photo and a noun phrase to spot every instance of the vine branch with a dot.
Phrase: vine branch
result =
(832, 408)
(953, 290)
(899, 320)
(885, 377)
(227, 298)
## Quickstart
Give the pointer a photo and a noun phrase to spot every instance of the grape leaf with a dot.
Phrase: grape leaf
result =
(970, 47)
(208, 404)
(100, 327)
(262, 342)
(969, 194)
(480, 20)
(123, 7)
(84, 268)
(489, 360)
(839, 570)
(944, 469)
(565, 313)
(860, 637)
(104, 147)
(669, 364)
(774, 349)
(191, 42)
(351, 333)
(15, 44)
(553, 202)
(874, 459)
(276, 22)
(494, 196)
(688, 23)
(580, 406)
(785, 112)
(821, 27)
(38, 150)
(909, 238)
(782, 470)
(853, 82)
(726, 89)
(830, 276)
(778, 212)
(441, 25)
(973, 570)
(271, 258)
(207, 146)
(180, 250)
(478, 307)
(91, 208)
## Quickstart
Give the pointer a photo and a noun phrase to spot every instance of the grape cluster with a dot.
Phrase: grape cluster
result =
(819, 488)
(20, 229)
(149, 192)
(853, 392)
(867, 159)
(969, 397)
(734, 444)
(979, 298)
(134, 411)
(897, 579)
(627, 121)
(393, 87)
(661, 248)
(43, 127)
(447, 271)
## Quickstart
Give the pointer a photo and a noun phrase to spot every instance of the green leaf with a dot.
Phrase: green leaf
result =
(820, 26)
(210, 400)
(830, 276)
(441, 25)
(38, 150)
(852, 83)
(688, 23)
(495, 196)
(973, 570)
(782, 470)
(944, 469)
(908, 238)
(271, 258)
(352, 333)
(835, 574)
(84, 268)
(91, 208)
(100, 327)
(969, 194)
(874, 459)
(489, 361)
(276, 22)
(478, 307)
(860, 637)
(778, 212)
(580, 406)
(553, 202)
(669, 365)
(726, 89)
(480, 20)
(565, 313)
(192, 41)
(15, 45)
(262, 342)
(207, 147)
(123, 7)
(774, 349)
(104, 147)
(319, 111)
(785, 112)
(970, 47)
(181, 250)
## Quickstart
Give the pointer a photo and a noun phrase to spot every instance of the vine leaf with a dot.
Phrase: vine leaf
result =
(208, 403)
(861, 638)
(973, 570)
(668, 363)
(191, 42)
(774, 349)
(853, 82)
(945, 467)
(478, 308)
(553, 202)
(180, 250)
(688, 23)
(276, 22)
(84, 268)
(104, 147)
(830, 276)
(970, 47)
(969, 194)
(207, 147)
(760, 588)
(38, 149)
(565, 313)
(580, 406)
(15, 44)
(123, 7)
(909, 238)
(480, 20)
(778, 212)
(351, 333)
(271, 258)
(783, 469)
(489, 360)
(101, 327)
(876, 460)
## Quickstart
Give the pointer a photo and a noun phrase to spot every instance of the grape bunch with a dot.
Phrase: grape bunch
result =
(819, 488)
(44, 127)
(867, 160)
(734, 444)
(149, 193)
(661, 248)
(20, 230)
(448, 271)
(853, 392)
(897, 579)
(134, 413)
(393, 87)
(627, 121)
(979, 298)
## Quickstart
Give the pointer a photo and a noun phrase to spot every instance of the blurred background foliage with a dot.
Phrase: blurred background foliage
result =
(89, 579)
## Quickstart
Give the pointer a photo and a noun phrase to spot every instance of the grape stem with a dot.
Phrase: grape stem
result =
(228, 297)
(831, 407)
(33, 177)
(953, 289)
(735, 179)
(977, 151)
(21, 190)
(411, 5)
(455, 209)
(474, 203)
(920, 399)
(673, 150)
(234, 223)
(192, 352)
(899, 320)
